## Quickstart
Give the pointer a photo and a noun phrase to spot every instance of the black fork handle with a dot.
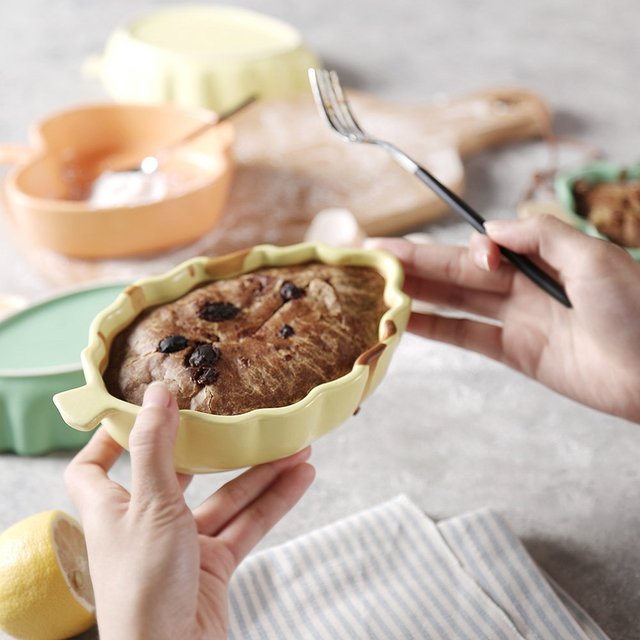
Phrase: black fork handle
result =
(521, 262)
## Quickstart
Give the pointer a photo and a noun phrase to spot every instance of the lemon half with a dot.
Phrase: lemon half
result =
(45, 588)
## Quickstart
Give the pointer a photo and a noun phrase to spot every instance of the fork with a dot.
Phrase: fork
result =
(334, 107)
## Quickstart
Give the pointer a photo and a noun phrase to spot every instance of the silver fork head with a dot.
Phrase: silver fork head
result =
(334, 106)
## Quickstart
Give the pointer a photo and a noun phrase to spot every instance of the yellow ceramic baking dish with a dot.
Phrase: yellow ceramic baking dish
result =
(206, 55)
(213, 443)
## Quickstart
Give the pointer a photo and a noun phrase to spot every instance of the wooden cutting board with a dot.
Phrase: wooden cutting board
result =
(291, 165)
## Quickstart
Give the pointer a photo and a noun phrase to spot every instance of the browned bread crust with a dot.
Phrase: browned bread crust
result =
(612, 207)
(263, 339)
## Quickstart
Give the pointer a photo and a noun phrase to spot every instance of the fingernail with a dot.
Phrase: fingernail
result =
(496, 226)
(480, 258)
(490, 226)
(157, 395)
(373, 243)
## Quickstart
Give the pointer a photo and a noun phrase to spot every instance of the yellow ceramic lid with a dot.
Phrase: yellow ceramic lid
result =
(203, 55)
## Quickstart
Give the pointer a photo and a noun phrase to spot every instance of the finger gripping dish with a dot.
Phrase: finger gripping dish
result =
(261, 339)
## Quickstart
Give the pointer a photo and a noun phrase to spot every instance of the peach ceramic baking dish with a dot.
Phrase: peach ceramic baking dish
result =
(71, 148)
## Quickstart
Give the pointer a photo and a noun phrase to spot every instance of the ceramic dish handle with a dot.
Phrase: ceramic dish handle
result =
(82, 408)
(14, 153)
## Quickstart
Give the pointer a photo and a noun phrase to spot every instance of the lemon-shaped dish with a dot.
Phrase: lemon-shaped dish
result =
(593, 173)
(209, 442)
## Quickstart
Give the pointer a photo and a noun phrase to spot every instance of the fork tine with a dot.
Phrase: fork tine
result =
(332, 104)
(318, 80)
(343, 104)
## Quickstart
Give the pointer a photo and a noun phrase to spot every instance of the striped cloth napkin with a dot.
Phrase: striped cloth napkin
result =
(391, 572)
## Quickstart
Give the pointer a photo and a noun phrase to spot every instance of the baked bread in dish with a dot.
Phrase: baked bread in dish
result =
(258, 340)
(613, 208)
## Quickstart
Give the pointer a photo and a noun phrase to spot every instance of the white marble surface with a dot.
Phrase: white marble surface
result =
(451, 429)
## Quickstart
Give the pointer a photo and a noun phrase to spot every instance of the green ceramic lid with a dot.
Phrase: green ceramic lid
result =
(49, 336)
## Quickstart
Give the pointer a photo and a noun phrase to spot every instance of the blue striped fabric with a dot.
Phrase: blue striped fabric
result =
(391, 572)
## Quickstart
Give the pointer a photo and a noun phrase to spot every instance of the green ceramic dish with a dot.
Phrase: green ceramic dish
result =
(593, 173)
(40, 356)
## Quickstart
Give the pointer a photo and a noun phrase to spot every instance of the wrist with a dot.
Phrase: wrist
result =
(118, 625)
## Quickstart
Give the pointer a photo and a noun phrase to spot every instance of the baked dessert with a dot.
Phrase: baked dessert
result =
(613, 208)
(261, 339)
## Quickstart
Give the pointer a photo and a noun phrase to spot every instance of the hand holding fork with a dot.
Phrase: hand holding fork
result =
(333, 105)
